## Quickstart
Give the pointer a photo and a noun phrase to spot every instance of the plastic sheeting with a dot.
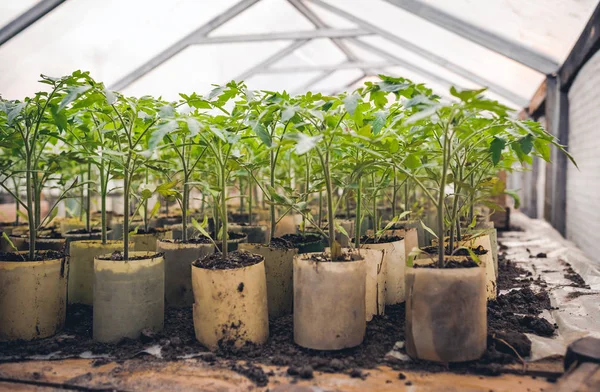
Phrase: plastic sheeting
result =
(111, 38)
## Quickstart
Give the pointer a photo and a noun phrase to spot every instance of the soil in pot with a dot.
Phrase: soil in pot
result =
(446, 311)
(128, 295)
(394, 265)
(81, 273)
(306, 243)
(179, 256)
(33, 294)
(329, 301)
(230, 294)
(242, 217)
(47, 240)
(233, 240)
(279, 257)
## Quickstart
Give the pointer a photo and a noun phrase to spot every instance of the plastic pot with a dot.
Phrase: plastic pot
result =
(81, 273)
(178, 275)
(446, 314)
(257, 234)
(128, 296)
(33, 298)
(230, 306)
(329, 302)
(279, 274)
(375, 282)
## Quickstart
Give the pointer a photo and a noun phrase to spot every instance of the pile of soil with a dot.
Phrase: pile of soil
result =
(196, 240)
(117, 255)
(84, 231)
(511, 275)
(326, 258)
(381, 240)
(280, 243)
(466, 263)
(517, 311)
(40, 255)
(299, 239)
(237, 259)
(574, 277)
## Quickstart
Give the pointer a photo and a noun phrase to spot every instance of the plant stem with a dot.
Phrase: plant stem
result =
(224, 209)
(250, 187)
(82, 197)
(320, 209)
(406, 201)
(89, 200)
(103, 192)
(30, 215)
(471, 197)
(330, 212)
(184, 210)
(440, 204)
(241, 196)
(375, 225)
(126, 212)
(272, 182)
(358, 222)
(394, 194)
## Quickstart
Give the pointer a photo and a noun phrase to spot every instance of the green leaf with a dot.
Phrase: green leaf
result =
(288, 113)
(543, 148)
(379, 121)
(111, 97)
(154, 210)
(429, 229)
(73, 94)
(260, 131)
(412, 161)
(526, 144)
(340, 229)
(10, 243)
(496, 147)
(351, 102)
(59, 118)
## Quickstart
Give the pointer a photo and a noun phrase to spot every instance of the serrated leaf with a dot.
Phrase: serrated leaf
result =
(260, 131)
(379, 121)
(526, 144)
(351, 102)
(496, 147)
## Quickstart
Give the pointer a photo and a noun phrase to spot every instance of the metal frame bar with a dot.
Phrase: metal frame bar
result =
(27, 18)
(457, 69)
(265, 64)
(183, 43)
(508, 48)
(287, 35)
(327, 67)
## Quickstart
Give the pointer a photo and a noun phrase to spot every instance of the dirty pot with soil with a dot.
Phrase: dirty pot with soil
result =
(178, 274)
(81, 272)
(279, 273)
(375, 282)
(146, 242)
(394, 248)
(329, 301)
(257, 234)
(21, 242)
(230, 300)
(128, 295)
(307, 242)
(446, 313)
(33, 295)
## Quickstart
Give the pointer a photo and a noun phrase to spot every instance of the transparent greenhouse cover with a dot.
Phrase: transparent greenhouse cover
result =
(114, 38)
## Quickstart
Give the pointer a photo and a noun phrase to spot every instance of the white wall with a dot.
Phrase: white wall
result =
(583, 185)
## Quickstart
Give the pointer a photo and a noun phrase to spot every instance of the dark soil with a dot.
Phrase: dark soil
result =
(117, 255)
(299, 239)
(326, 257)
(237, 259)
(151, 230)
(577, 294)
(242, 217)
(433, 250)
(511, 275)
(84, 231)
(196, 240)
(574, 277)
(39, 256)
(381, 240)
(280, 243)
(467, 263)
(43, 234)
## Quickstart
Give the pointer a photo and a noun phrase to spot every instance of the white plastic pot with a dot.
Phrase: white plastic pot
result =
(128, 296)
(279, 274)
(230, 306)
(329, 302)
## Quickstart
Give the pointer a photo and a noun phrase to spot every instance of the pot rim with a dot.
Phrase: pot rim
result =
(28, 263)
(135, 253)
(219, 271)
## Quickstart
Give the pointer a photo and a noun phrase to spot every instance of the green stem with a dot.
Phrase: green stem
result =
(330, 212)
(184, 210)
(126, 212)
(30, 215)
(88, 222)
(224, 209)
(320, 209)
(394, 194)
(358, 222)
(250, 188)
(406, 201)
(241, 196)
(272, 182)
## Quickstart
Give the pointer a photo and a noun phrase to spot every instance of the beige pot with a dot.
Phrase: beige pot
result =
(487, 260)
(446, 314)
(68, 224)
(33, 297)
(81, 272)
(279, 274)
(147, 242)
(395, 265)
(178, 274)
(128, 296)
(375, 282)
(230, 306)
(329, 303)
